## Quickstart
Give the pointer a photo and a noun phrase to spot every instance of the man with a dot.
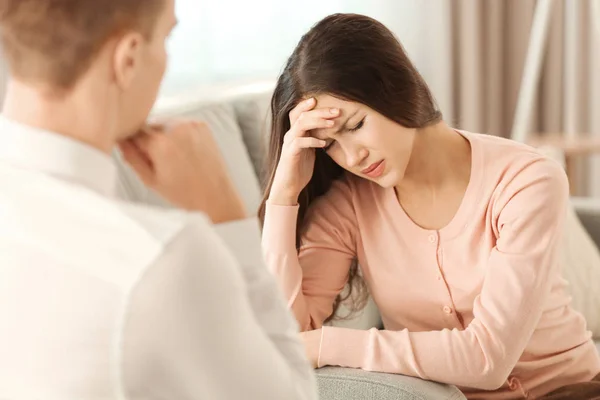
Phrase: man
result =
(101, 299)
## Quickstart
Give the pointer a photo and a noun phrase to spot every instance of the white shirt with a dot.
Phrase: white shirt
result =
(102, 299)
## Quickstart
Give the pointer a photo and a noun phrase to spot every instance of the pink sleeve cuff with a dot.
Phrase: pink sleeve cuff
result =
(343, 347)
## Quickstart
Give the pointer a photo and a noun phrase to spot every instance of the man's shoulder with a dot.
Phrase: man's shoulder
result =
(68, 224)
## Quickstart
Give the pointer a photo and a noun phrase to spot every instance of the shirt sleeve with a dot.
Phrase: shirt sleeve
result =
(194, 328)
(265, 298)
(529, 215)
(312, 277)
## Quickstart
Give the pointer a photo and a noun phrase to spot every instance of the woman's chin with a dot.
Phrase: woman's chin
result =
(386, 181)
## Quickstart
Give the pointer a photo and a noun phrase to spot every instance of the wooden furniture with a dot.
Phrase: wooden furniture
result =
(574, 148)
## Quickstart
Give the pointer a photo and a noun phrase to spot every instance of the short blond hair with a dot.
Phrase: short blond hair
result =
(54, 42)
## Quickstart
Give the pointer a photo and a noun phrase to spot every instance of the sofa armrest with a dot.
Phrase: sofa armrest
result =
(588, 211)
(337, 383)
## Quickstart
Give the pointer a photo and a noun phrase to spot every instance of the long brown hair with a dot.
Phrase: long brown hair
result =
(354, 58)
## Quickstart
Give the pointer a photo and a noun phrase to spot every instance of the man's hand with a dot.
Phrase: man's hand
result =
(182, 162)
(312, 345)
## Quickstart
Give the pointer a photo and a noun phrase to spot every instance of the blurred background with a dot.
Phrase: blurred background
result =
(522, 69)
(471, 52)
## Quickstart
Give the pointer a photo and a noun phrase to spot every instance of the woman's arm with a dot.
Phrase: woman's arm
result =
(529, 222)
(312, 278)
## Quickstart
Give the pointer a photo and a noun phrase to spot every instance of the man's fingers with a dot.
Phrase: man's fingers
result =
(140, 163)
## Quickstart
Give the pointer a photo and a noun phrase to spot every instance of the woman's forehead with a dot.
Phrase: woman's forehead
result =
(328, 101)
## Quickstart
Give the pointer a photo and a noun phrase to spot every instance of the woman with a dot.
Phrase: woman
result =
(455, 232)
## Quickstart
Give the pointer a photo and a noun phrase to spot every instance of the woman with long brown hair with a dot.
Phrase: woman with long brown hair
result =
(455, 234)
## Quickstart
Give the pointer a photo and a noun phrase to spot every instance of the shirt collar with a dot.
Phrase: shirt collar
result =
(60, 156)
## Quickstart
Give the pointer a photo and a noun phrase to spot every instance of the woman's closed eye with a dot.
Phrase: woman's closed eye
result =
(358, 126)
(354, 129)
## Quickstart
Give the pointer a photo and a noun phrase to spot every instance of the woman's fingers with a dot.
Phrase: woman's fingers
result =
(303, 106)
(309, 143)
(312, 120)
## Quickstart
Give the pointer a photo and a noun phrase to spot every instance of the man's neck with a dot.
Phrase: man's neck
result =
(75, 115)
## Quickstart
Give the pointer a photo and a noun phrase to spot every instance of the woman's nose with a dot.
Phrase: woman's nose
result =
(355, 157)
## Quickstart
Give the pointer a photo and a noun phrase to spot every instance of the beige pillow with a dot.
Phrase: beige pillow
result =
(580, 263)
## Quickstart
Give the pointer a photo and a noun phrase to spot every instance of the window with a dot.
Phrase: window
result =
(224, 41)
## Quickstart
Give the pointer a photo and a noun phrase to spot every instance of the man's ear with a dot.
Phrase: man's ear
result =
(127, 59)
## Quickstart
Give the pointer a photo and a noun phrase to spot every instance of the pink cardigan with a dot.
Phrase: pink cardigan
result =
(479, 303)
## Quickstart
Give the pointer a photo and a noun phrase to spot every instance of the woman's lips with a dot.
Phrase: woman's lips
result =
(375, 170)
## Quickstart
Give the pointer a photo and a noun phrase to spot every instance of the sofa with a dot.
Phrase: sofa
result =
(238, 117)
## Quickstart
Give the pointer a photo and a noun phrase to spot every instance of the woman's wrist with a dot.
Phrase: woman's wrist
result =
(282, 200)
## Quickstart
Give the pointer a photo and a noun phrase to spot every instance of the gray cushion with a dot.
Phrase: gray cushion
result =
(353, 384)
(254, 117)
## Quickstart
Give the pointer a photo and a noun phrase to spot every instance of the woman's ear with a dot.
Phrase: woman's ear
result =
(127, 59)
